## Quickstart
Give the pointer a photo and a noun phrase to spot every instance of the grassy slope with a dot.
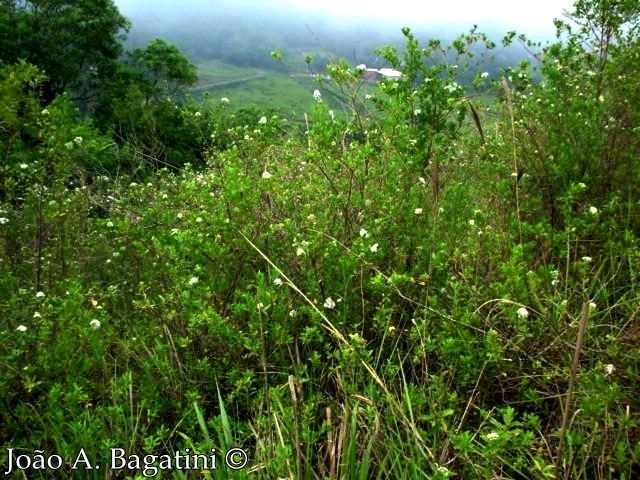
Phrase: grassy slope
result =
(289, 95)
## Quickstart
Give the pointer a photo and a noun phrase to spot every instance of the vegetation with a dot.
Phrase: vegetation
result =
(419, 286)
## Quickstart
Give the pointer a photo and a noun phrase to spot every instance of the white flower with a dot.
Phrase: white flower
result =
(199, 220)
(609, 369)
(224, 100)
(522, 312)
(193, 280)
(278, 281)
(368, 97)
(40, 294)
(451, 87)
(329, 303)
(44, 112)
(364, 233)
(592, 306)
(110, 224)
(418, 211)
(197, 114)
(317, 96)
(3, 220)
(260, 306)
(417, 111)
(24, 166)
(37, 315)
(587, 259)
(492, 436)
(77, 141)
(266, 175)
(484, 74)
(180, 216)
(263, 120)
(292, 313)
(593, 210)
(95, 324)
(471, 222)
(374, 248)
(299, 251)
(422, 180)
(21, 328)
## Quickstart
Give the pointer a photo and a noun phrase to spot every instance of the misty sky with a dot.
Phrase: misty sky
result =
(526, 16)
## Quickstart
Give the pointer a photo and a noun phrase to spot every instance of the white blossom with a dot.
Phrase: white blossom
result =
(329, 303)
(3, 220)
(492, 436)
(317, 96)
(609, 369)
(418, 211)
(364, 233)
(278, 281)
(95, 324)
(593, 210)
(299, 251)
(484, 74)
(37, 315)
(24, 166)
(40, 294)
(193, 280)
(224, 100)
(266, 175)
(263, 120)
(374, 248)
(78, 141)
(21, 328)
(522, 312)
(587, 259)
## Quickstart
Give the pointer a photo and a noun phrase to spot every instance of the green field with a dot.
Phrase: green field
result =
(290, 95)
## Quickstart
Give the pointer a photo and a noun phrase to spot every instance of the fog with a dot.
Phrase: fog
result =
(245, 32)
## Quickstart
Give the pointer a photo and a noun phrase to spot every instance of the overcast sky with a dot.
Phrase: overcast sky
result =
(526, 16)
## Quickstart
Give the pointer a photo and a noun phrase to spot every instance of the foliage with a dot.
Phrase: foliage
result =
(343, 302)
(75, 43)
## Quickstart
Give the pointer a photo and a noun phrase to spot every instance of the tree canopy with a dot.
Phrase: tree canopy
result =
(75, 42)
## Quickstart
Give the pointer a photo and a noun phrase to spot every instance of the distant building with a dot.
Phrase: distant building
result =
(373, 74)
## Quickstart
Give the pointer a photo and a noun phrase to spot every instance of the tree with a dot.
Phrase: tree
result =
(75, 42)
(162, 70)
